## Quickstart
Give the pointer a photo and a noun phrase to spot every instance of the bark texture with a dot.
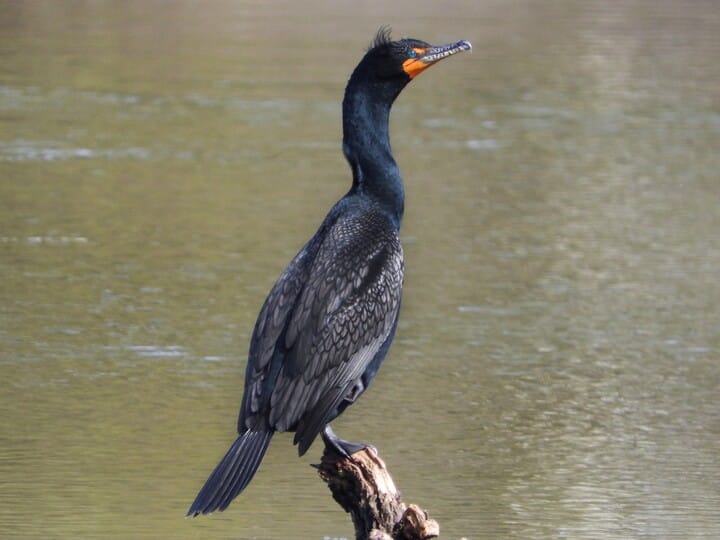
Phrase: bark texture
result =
(363, 487)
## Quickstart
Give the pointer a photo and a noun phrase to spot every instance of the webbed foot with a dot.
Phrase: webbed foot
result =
(341, 446)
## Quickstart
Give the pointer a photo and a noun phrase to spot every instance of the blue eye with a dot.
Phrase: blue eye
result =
(412, 53)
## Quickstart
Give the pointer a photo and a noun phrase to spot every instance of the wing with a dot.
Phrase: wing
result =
(267, 348)
(344, 314)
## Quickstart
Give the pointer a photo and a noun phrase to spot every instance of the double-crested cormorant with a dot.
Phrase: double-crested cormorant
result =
(329, 319)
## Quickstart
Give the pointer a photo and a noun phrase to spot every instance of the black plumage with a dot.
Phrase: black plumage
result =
(329, 319)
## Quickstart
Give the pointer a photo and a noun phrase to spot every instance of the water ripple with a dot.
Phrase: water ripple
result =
(22, 150)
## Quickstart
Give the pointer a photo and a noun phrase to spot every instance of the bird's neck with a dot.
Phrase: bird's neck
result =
(366, 145)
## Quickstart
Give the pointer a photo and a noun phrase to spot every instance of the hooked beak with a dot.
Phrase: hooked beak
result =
(427, 57)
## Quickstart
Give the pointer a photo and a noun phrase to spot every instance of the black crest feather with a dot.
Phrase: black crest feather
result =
(382, 37)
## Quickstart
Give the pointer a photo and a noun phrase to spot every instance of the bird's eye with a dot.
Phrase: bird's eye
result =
(412, 53)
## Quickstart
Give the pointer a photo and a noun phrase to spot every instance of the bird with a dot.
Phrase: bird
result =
(329, 320)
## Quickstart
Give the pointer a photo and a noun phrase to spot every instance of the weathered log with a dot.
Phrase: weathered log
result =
(363, 487)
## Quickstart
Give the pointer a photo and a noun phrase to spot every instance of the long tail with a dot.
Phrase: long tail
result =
(233, 473)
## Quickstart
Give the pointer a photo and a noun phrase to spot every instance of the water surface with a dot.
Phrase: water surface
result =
(555, 372)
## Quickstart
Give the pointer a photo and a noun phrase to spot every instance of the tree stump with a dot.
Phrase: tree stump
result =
(363, 487)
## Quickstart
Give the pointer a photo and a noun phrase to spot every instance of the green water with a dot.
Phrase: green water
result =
(555, 372)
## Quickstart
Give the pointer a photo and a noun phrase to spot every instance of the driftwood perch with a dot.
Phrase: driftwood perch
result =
(362, 485)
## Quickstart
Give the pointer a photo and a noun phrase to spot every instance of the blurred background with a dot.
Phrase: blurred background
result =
(555, 372)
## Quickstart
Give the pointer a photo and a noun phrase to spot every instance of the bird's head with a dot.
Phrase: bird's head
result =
(406, 58)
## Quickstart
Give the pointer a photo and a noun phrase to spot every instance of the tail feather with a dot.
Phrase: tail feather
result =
(233, 473)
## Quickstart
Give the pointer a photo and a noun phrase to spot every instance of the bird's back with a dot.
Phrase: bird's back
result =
(324, 322)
